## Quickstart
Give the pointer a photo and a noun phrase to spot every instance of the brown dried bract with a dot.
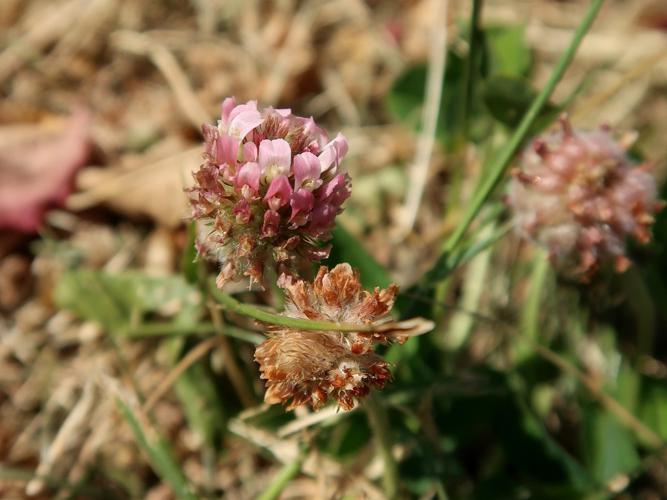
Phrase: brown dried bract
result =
(309, 367)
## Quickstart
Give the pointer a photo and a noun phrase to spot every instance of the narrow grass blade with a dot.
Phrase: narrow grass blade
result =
(159, 455)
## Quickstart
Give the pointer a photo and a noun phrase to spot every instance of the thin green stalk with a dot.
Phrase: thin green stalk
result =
(145, 330)
(471, 67)
(287, 473)
(379, 422)
(231, 304)
(530, 315)
(498, 168)
(159, 453)
(167, 329)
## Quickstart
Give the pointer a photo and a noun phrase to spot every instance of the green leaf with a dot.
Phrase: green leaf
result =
(114, 300)
(158, 453)
(608, 446)
(653, 407)
(507, 51)
(198, 396)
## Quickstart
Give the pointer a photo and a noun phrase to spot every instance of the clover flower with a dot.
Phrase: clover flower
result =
(580, 195)
(268, 191)
(310, 367)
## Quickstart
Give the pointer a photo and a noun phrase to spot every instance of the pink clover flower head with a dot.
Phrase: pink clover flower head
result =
(268, 191)
(578, 194)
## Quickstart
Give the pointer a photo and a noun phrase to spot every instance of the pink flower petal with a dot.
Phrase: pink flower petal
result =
(247, 179)
(284, 112)
(333, 152)
(275, 158)
(336, 191)
(227, 106)
(302, 202)
(248, 107)
(249, 151)
(312, 129)
(306, 171)
(241, 124)
(321, 219)
(279, 192)
(227, 151)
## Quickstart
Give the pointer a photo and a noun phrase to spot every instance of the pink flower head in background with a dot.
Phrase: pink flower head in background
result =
(579, 194)
(268, 191)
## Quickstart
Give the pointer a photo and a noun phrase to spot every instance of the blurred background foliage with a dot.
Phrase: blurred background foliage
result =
(121, 379)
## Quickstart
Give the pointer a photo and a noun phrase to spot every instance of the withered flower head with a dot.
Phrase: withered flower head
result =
(308, 366)
(580, 195)
(268, 191)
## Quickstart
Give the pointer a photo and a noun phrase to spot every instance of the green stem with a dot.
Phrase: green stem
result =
(498, 168)
(379, 422)
(531, 312)
(231, 304)
(146, 330)
(471, 66)
(288, 472)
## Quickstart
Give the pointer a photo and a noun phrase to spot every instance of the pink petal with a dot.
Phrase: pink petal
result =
(284, 112)
(321, 219)
(333, 152)
(302, 202)
(248, 107)
(279, 192)
(247, 179)
(249, 151)
(227, 106)
(312, 129)
(306, 168)
(227, 151)
(275, 158)
(242, 123)
(336, 191)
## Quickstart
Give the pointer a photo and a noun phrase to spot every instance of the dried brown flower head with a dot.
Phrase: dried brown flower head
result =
(580, 195)
(308, 366)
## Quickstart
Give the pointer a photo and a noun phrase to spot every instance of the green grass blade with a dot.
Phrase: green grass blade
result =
(498, 168)
(159, 455)
(286, 474)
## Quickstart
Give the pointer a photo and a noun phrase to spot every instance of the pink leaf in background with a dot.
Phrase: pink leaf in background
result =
(37, 163)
